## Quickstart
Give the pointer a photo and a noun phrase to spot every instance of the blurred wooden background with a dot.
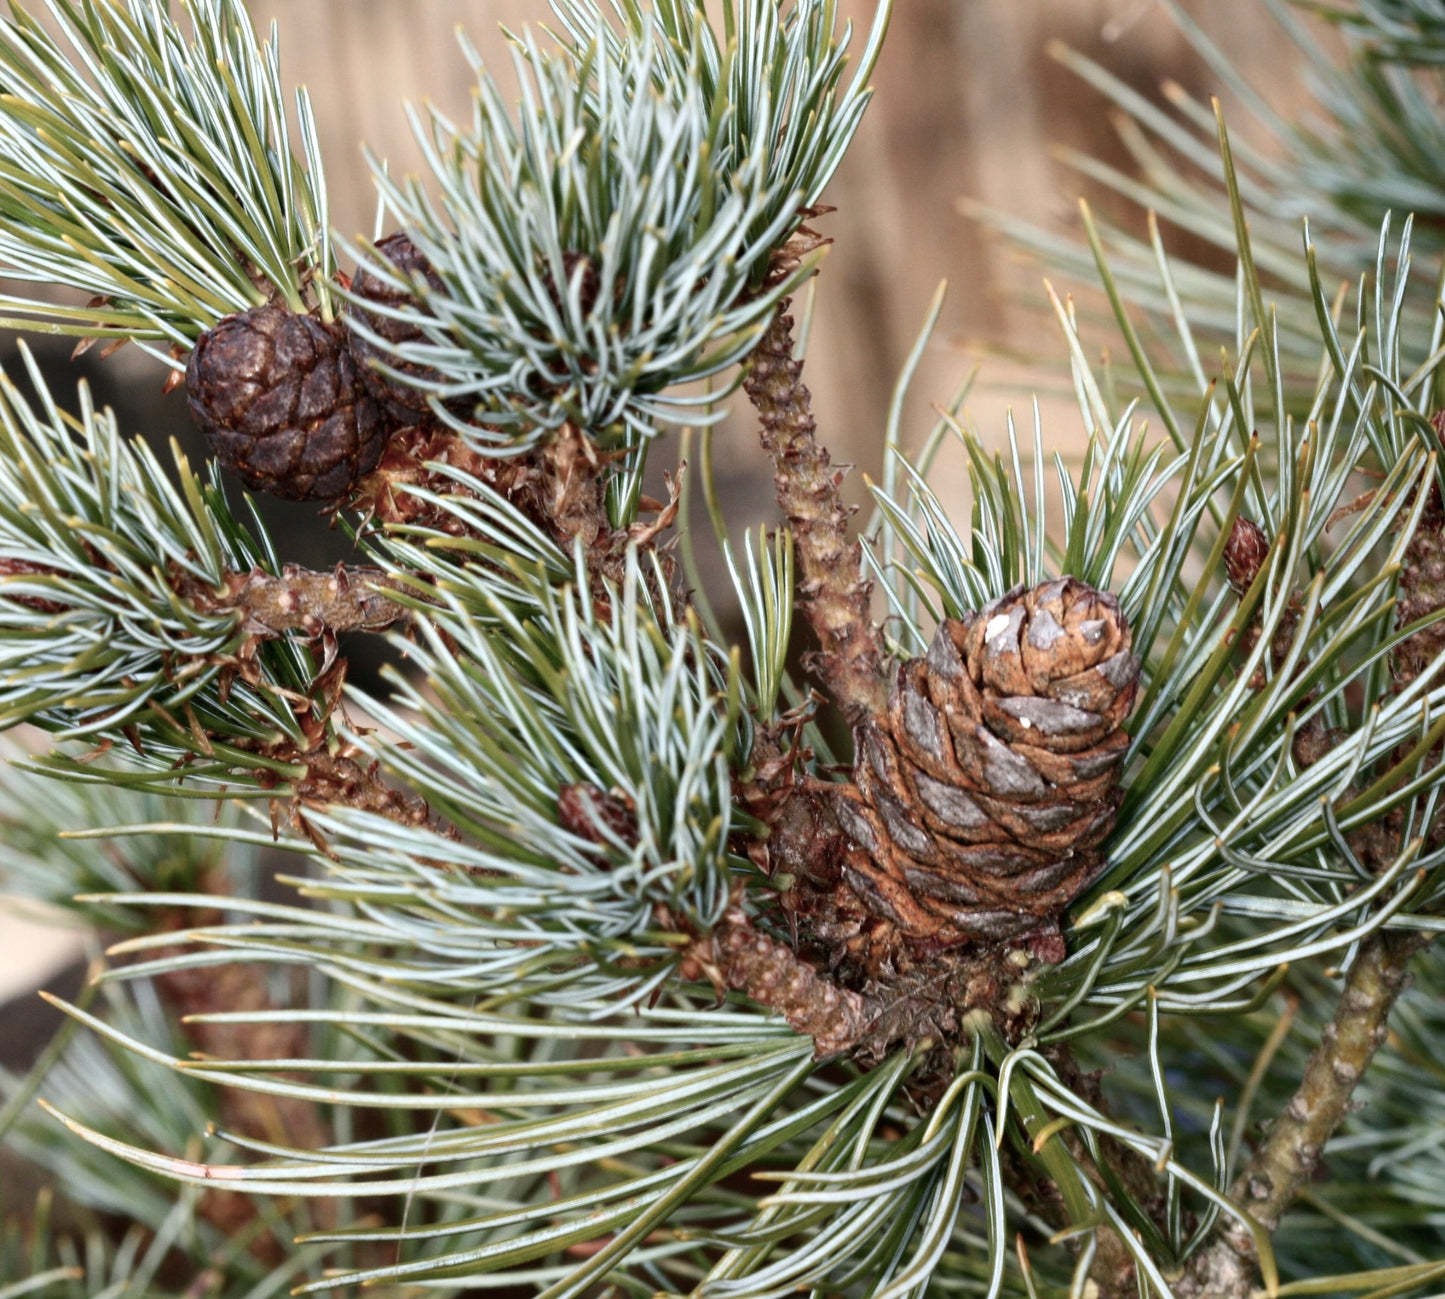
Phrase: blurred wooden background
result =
(967, 103)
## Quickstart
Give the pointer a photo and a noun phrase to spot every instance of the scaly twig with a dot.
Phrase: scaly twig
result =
(739, 956)
(345, 599)
(833, 593)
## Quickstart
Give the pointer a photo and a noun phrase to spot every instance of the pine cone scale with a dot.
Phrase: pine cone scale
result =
(1012, 871)
(1088, 774)
(914, 716)
(902, 829)
(1055, 823)
(993, 644)
(1067, 729)
(889, 897)
(320, 390)
(943, 885)
(860, 823)
(943, 664)
(951, 810)
(1098, 689)
(993, 765)
(276, 454)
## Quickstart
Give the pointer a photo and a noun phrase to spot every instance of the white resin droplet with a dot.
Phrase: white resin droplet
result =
(1025, 723)
(996, 626)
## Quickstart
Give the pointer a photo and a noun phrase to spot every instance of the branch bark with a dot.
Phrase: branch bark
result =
(736, 955)
(345, 599)
(1225, 1269)
(923, 1008)
(319, 605)
(834, 594)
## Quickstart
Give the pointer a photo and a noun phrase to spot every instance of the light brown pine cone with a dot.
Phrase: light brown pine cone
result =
(979, 799)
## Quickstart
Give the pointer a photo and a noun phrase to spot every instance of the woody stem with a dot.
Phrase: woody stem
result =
(345, 599)
(834, 594)
(769, 972)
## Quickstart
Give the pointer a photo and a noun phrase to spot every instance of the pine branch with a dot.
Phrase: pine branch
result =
(834, 592)
(737, 955)
(924, 1007)
(584, 742)
(1291, 1153)
(661, 271)
(524, 704)
(1347, 1045)
(93, 529)
(346, 599)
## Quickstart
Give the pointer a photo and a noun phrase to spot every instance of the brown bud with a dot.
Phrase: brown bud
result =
(577, 266)
(1244, 554)
(595, 815)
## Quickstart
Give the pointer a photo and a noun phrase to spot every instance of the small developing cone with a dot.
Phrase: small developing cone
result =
(1422, 584)
(281, 403)
(405, 401)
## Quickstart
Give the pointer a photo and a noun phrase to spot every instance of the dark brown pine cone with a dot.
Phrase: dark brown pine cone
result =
(981, 796)
(407, 402)
(282, 405)
(1422, 591)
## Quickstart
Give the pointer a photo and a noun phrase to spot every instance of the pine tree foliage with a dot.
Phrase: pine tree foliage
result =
(96, 536)
(1370, 148)
(67, 1248)
(154, 171)
(1363, 153)
(632, 705)
(538, 1012)
(625, 217)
